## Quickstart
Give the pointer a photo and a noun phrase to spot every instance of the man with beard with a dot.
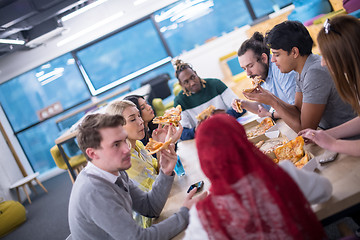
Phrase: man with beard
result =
(255, 59)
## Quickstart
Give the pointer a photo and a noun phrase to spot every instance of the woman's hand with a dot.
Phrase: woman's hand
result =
(174, 133)
(319, 137)
(168, 159)
(165, 132)
(160, 133)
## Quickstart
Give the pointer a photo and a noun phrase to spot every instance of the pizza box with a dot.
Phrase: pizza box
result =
(272, 132)
(311, 165)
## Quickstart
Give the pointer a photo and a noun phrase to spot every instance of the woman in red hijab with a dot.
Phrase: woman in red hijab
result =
(251, 197)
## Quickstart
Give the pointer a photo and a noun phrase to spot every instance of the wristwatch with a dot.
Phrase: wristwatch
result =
(272, 115)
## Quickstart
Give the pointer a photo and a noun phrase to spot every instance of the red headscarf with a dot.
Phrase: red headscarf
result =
(250, 196)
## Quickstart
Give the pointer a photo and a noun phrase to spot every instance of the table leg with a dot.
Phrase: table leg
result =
(66, 161)
(27, 195)
(32, 187)
(18, 193)
(40, 184)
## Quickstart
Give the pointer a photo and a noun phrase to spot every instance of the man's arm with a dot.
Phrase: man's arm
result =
(150, 204)
(298, 116)
(188, 133)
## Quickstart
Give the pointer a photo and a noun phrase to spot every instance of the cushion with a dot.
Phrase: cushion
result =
(12, 214)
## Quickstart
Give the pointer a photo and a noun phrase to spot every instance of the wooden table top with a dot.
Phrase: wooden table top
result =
(343, 173)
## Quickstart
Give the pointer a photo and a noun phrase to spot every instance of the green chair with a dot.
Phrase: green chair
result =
(158, 104)
(77, 162)
(12, 215)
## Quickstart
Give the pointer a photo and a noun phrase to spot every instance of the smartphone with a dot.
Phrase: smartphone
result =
(198, 185)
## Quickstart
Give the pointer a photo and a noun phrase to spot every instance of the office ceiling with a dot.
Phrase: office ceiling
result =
(33, 21)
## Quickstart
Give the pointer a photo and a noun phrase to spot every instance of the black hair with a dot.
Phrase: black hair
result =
(256, 44)
(289, 34)
(152, 126)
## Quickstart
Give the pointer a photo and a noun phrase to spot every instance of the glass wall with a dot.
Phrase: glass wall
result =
(56, 81)
(122, 54)
(187, 24)
(126, 59)
(265, 7)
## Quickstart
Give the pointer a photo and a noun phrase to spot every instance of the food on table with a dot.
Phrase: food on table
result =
(260, 128)
(271, 144)
(292, 150)
(302, 161)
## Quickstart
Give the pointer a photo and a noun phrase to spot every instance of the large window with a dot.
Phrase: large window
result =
(265, 7)
(123, 56)
(24, 97)
(56, 81)
(189, 23)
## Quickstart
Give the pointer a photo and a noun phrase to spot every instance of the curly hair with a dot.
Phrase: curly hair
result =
(181, 66)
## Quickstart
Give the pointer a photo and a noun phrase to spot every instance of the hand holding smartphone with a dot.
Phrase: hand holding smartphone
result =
(199, 185)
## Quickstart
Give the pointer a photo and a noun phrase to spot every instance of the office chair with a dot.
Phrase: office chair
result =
(77, 162)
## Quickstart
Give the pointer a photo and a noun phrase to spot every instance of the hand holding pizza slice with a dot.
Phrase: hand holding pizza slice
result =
(256, 83)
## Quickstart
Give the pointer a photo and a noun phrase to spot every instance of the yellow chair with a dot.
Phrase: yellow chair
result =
(12, 214)
(77, 162)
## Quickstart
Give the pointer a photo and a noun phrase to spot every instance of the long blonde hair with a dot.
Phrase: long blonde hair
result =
(339, 45)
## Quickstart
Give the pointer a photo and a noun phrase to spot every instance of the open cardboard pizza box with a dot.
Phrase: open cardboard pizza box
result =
(272, 132)
(311, 165)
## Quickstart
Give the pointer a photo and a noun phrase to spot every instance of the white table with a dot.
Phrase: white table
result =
(27, 180)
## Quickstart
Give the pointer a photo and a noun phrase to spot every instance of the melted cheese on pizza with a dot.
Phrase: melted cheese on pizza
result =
(260, 128)
(292, 150)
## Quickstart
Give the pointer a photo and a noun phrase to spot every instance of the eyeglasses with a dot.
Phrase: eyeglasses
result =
(327, 27)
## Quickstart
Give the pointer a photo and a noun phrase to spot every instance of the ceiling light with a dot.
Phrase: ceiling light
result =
(138, 2)
(82, 10)
(12, 41)
(90, 29)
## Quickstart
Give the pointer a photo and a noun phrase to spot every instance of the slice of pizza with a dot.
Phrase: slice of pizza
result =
(259, 144)
(304, 160)
(238, 106)
(292, 150)
(261, 128)
(154, 146)
(205, 113)
(171, 116)
(256, 81)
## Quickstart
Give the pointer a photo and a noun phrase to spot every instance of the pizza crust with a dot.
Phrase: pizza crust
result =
(154, 146)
